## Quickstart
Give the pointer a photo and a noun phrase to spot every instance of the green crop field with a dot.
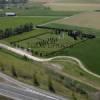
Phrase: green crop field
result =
(8, 22)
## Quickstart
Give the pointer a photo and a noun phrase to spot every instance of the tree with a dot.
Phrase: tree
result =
(2, 67)
(73, 96)
(25, 58)
(35, 80)
(50, 85)
(13, 71)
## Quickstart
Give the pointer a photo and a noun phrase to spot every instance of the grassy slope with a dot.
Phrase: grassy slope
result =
(25, 70)
(4, 98)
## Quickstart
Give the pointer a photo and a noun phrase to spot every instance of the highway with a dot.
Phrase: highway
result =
(20, 91)
(23, 94)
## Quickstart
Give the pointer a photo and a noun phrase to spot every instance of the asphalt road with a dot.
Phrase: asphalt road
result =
(17, 84)
(23, 94)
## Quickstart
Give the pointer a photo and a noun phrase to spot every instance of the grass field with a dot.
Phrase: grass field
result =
(8, 22)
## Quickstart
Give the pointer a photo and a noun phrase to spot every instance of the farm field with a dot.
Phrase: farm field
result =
(51, 42)
(87, 19)
(88, 51)
(73, 6)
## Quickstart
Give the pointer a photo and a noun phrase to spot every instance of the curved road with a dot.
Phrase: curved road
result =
(22, 53)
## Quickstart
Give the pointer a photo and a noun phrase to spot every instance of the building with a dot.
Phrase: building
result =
(10, 14)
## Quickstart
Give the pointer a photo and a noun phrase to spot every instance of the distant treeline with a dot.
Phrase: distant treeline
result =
(15, 31)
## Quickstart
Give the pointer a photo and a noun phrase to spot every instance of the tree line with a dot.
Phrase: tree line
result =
(15, 31)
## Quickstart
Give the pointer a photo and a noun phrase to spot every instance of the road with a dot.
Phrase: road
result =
(23, 94)
(19, 91)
